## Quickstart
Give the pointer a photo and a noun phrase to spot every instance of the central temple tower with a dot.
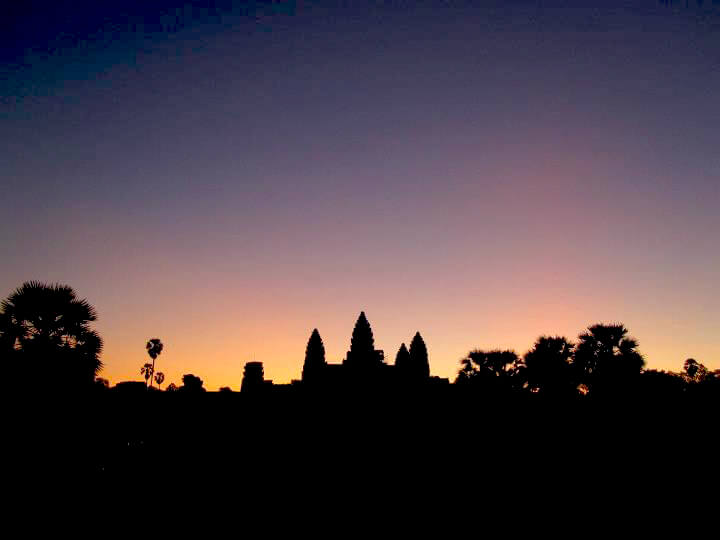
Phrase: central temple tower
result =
(362, 353)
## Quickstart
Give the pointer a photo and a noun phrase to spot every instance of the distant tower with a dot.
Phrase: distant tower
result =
(402, 359)
(362, 351)
(419, 364)
(314, 358)
(253, 377)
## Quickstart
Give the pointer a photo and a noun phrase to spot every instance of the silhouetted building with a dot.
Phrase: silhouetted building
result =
(419, 364)
(362, 354)
(314, 357)
(402, 359)
(364, 365)
(254, 378)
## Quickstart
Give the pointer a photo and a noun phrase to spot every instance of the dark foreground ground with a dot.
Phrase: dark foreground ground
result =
(344, 439)
(347, 463)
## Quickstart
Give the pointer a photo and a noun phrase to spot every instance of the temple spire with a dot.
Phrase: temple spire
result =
(362, 353)
(362, 337)
(314, 356)
(419, 364)
(402, 359)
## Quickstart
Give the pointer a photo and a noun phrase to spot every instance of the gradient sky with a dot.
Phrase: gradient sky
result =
(228, 181)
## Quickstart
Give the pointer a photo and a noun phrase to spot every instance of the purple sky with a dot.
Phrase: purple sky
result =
(229, 181)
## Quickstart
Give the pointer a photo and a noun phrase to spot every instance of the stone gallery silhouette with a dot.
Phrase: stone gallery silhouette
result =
(364, 366)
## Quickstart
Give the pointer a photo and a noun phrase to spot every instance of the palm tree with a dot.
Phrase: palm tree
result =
(147, 370)
(159, 378)
(548, 367)
(492, 372)
(606, 359)
(154, 348)
(47, 328)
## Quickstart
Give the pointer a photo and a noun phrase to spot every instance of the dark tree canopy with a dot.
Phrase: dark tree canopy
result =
(192, 384)
(154, 348)
(607, 359)
(700, 382)
(694, 371)
(655, 384)
(314, 356)
(419, 363)
(548, 367)
(491, 372)
(46, 329)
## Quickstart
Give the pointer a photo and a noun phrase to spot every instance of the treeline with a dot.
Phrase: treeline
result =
(46, 338)
(604, 363)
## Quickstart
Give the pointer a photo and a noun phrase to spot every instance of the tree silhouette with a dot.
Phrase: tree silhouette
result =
(548, 367)
(154, 348)
(45, 329)
(147, 372)
(172, 387)
(662, 385)
(491, 372)
(606, 360)
(314, 357)
(192, 384)
(159, 378)
(694, 371)
(700, 382)
(419, 363)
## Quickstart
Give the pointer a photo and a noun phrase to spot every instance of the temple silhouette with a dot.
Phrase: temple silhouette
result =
(364, 366)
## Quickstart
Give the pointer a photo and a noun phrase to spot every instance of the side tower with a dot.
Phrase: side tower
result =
(418, 363)
(253, 378)
(402, 359)
(314, 366)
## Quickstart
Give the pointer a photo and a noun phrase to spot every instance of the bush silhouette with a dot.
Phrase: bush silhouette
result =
(191, 384)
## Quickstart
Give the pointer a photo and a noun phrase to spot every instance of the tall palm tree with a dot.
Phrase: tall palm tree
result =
(548, 367)
(606, 359)
(147, 372)
(154, 348)
(47, 328)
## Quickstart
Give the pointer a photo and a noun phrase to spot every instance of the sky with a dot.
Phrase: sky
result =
(484, 173)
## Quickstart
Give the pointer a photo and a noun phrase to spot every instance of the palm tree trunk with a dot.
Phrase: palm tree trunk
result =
(152, 373)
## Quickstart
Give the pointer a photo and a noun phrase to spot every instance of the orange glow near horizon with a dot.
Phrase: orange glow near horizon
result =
(481, 175)
(218, 353)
